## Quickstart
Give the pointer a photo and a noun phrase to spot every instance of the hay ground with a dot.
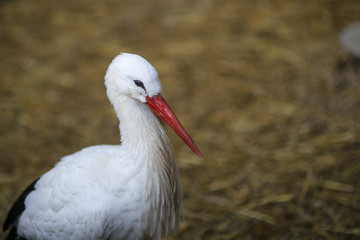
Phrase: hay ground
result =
(263, 87)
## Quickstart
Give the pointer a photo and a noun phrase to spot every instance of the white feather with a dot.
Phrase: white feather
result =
(127, 191)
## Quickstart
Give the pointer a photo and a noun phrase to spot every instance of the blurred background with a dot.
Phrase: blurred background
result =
(264, 88)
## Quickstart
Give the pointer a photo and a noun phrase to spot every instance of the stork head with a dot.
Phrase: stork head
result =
(132, 76)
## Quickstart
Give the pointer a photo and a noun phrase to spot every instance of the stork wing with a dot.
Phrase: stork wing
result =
(18, 207)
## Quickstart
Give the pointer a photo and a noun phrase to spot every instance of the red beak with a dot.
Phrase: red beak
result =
(160, 107)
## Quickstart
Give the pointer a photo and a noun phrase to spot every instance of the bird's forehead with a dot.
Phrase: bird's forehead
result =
(134, 65)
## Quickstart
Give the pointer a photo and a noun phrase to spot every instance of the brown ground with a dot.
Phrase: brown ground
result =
(263, 87)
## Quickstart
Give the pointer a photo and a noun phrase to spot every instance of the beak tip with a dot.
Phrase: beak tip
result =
(197, 152)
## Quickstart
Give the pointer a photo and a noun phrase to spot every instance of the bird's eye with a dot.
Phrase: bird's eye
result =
(139, 83)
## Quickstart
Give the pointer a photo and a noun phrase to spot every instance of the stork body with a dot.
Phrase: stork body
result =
(127, 191)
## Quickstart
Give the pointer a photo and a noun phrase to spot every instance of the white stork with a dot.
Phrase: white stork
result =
(127, 191)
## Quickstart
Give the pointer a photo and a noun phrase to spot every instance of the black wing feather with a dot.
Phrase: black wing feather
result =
(13, 235)
(17, 208)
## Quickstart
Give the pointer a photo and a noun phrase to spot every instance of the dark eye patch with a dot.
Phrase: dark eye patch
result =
(139, 84)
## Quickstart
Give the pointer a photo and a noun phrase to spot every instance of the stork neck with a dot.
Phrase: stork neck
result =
(147, 147)
(140, 129)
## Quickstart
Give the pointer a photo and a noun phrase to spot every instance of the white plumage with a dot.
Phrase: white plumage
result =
(127, 191)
